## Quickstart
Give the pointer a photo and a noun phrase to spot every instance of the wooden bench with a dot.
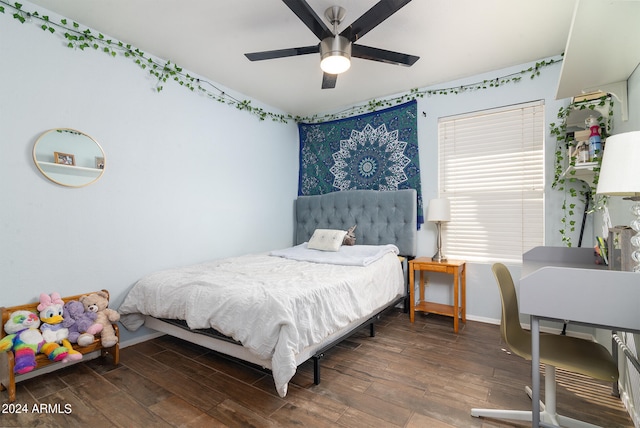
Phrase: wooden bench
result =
(7, 359)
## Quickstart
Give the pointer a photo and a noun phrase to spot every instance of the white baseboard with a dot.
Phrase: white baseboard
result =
(483, 319)
(628, 404)
(140, 339)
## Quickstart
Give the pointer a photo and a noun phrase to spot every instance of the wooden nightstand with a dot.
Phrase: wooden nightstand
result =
(457, 268)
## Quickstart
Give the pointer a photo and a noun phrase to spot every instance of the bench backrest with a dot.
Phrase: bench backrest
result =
(7, 311)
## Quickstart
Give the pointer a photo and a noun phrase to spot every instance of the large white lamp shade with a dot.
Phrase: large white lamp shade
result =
(620, 170)
(620, 176)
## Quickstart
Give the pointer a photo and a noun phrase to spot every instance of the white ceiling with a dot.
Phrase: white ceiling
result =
(453, 38)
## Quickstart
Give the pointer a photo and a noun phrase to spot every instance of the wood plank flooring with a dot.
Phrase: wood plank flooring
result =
(409, 375)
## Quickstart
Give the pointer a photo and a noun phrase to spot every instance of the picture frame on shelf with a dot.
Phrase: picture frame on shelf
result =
(99, 162)
(64, 158)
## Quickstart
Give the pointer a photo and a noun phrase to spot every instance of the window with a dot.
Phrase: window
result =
(491, 168)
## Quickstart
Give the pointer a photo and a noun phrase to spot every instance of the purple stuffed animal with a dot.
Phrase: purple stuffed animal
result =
(81, 324)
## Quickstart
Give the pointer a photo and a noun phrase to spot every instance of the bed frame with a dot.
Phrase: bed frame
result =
(382, 217)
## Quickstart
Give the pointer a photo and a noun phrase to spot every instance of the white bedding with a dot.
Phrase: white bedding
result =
(348, 255)
(275, 306)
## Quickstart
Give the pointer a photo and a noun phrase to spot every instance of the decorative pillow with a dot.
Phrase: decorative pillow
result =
(326, 239)
(350, 237)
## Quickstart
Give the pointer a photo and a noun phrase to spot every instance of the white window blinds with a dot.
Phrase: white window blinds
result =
(491, 168)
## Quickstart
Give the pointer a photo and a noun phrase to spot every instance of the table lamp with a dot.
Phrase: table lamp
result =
(620, 176)
(439, 211)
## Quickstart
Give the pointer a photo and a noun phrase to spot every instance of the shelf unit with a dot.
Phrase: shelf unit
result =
(581, 171)
(575, 123)
(80, 171)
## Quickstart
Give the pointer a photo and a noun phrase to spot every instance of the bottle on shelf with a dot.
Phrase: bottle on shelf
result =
(595, 142)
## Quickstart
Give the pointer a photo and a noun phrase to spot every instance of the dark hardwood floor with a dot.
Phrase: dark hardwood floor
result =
(409, 375)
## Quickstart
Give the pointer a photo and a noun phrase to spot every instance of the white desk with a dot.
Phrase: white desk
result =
(564, 284)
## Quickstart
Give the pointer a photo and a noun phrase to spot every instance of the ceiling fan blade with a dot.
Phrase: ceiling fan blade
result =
(282, 53)
(302, 9)
(329, 80)
(372, 18)
(382, 55)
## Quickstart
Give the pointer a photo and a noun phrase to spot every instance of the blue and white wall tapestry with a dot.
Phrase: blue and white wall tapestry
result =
(377, 151)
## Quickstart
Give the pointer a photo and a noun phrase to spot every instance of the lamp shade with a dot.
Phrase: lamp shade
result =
(439, 210)
(620, 169)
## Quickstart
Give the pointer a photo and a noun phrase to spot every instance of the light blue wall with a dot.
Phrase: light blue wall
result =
(187, 179)
(483, 301)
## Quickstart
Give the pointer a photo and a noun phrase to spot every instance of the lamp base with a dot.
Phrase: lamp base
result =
(635, 239)
(439, 257)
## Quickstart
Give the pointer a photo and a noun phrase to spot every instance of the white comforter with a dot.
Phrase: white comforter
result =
(274, 306)
(349, 255)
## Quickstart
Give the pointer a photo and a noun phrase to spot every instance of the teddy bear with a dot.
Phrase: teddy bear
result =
(50, 311)
(25, 340)
(82, 324)
(98, 302)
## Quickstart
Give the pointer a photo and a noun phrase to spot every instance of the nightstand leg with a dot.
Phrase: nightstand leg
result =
(456, 297)
(463, 281)
(412, 298)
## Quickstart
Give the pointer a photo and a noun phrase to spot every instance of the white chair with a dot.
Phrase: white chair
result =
(573, 354)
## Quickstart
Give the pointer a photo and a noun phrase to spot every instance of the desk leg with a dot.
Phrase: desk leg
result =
(615, 391)
(412, 298)
(456, 301)
(535, 371)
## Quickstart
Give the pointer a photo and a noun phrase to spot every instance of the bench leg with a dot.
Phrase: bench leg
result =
(114, 351)
(7, 377)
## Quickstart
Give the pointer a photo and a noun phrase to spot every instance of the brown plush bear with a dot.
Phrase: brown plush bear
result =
(98, 302)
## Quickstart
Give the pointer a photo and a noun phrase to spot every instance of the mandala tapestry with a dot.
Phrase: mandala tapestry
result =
(377, 151)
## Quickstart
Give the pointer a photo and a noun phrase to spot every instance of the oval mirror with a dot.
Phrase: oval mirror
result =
(68, 157)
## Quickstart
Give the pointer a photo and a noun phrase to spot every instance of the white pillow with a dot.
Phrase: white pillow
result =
(326, 239)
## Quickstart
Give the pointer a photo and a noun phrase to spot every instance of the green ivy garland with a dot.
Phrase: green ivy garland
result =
(587, 194)
(86, 39)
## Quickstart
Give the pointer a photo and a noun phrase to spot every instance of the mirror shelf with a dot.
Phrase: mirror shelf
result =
(69, 169)
(69, 157)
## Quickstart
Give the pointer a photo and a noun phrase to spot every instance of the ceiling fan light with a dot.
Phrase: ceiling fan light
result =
(335, 64)
(336, 55)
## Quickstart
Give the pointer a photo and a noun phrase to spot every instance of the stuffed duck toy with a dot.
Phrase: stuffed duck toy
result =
(51, 311)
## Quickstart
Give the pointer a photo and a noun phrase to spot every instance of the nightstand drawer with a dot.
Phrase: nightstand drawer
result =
(432, 268)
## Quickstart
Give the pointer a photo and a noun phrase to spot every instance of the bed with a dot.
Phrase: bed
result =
(281, 308)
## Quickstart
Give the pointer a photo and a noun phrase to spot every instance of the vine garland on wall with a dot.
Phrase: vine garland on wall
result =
(563, 163)
(165, 71)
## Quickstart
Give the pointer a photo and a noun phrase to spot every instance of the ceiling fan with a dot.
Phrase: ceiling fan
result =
(336, 49)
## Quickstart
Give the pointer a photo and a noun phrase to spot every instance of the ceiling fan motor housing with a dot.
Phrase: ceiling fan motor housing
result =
(335, 49)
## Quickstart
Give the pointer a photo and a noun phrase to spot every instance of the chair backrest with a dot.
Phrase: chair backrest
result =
(518, 340)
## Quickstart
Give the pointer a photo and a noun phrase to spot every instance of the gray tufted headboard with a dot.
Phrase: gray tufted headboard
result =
(382, 217)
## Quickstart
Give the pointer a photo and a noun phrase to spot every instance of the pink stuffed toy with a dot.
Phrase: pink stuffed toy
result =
(51, 310)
